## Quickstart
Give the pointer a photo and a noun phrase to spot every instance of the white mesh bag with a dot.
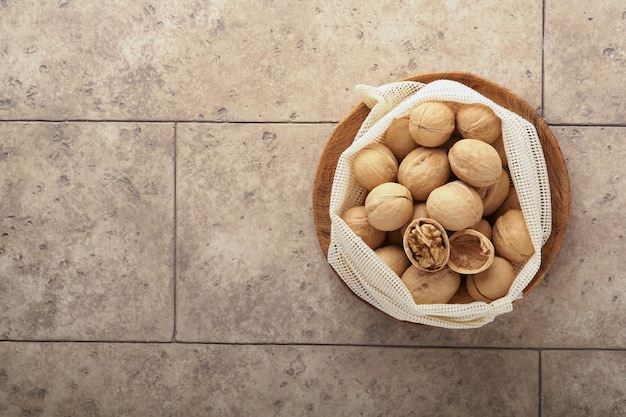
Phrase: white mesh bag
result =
(366, 274)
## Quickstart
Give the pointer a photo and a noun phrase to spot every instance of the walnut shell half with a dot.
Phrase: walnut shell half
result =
(426, 244)
(471, 252)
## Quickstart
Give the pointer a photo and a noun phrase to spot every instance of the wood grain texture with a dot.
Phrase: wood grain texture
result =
(346, 130)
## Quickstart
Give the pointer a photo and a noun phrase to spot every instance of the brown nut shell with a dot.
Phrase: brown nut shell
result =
(455, 206)
(461, 296)
(374, 164)
(426, 244)
(431, 287)
(394, 257)
(419, 211)
(510, 202)
(423, 170)
(478, 121)
(389, 206)
(475, 162)
(431, 124)
(511, 238)
(493, 283)
(398, 139)
(356, 219)
(471, 252)
(483, 227)
(494, 195)
(498, 144)
(454, 105)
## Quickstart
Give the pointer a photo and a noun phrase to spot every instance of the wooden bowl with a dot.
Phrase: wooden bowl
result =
(345, 132)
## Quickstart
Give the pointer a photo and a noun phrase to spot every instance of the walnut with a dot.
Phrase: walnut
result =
(374, 165)
(494, 195)
(511, 238)
(431, 287)
(471, 252)
(394, 257)
(398, 139)
(426, 244)
(389, 206)
(492, 283)
(498, 144)
(475, 162)
(478, 121)
(510, 202)
(455, 206)
(431, 124)
(356, 219)
(423, 170)
(483, 227)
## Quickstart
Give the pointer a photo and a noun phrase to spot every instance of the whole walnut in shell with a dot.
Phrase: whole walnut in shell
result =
(423, 170)
(431, 287)
(493, 283)
(455, 205)
(431, 123)
(510, 202)
(511, 238)
(398, 139)
(498, 144)
(356, 219)
(389, 206)
(494, 195)
(461, 296)
(374, 165)
(475, 162)
(471, 252)
(478, 121)
(483, 227)
(394, 257)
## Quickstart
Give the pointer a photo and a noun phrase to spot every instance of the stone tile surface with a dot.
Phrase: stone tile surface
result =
(582, 383)
(249, 264)
(197, 380)
(263, 61)
(585, 62)
(86, 231)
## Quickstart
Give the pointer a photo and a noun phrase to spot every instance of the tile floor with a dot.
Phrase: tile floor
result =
(157, 250)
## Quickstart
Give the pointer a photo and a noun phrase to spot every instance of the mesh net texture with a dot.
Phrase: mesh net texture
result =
(366, 274)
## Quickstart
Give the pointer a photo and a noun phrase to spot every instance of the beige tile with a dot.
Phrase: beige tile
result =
(263, 61)
(585, 62)
(583, 383)
(225, 380)
(249, 263)
(86, 231)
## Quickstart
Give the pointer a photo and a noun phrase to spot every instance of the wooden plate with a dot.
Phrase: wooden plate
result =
(345, 132)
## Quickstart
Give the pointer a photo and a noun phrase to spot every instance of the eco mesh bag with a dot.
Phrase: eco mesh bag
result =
(366, 274)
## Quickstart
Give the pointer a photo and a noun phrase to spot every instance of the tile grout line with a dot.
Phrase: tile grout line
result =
(170, 121)
(279, 122)
(539, 385)
(175, 237)
(313, 345)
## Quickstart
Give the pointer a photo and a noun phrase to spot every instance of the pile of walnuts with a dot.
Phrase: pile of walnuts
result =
(440, 209)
